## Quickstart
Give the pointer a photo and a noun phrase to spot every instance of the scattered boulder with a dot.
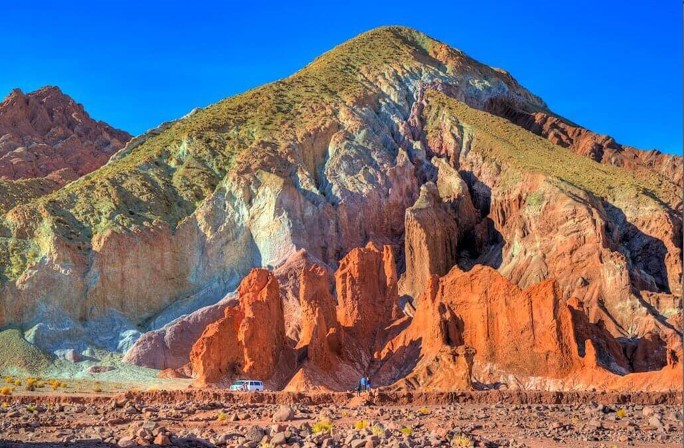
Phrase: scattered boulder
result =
(284, 414)
(94, 370)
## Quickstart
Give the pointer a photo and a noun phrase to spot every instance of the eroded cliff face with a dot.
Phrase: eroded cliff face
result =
(599, 241)
(366, 285)
(387, 139)
(470, 330)
(321, 335)
(248, 339)
(338, 338)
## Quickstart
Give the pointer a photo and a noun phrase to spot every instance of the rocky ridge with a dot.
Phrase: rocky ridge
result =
(47, 134)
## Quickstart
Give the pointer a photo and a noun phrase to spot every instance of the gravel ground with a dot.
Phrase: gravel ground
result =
(138, 419)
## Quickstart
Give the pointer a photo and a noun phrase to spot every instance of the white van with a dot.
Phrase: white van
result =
(247, 386)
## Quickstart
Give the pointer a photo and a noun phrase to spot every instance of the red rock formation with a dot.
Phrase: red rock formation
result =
(433, 227)
(47, 133)
(429, 354)
(431, 237)
(367, 299)
(321, 335)
(529, 332)
(466, 321)
(327, 353)
(526, 333)
(594, 341)
(170, 346)
(289, 276)
(249, 338)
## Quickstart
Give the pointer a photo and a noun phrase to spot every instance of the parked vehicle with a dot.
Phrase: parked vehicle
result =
(247, 386)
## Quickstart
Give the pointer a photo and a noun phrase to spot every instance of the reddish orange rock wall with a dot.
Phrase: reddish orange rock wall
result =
(248, 340)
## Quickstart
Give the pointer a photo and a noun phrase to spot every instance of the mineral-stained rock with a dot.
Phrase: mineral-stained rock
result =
(529, 331)
(612, 249)
(525, 332)
(367, 299)
(322, 162)
(450, 368)
(453, 191)
(248, 339)
(321, 334)
(329, 357)
(289, 275)
(431, 239)
(170, 346)
(430, 353)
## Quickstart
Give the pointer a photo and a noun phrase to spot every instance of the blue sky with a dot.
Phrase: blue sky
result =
(612, 66)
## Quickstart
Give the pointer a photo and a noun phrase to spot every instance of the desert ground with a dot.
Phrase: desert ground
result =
(99, 414)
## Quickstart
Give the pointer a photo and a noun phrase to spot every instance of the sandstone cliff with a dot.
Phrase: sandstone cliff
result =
(248, 338)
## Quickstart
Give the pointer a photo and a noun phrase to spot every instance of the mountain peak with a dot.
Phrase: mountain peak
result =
(45, 131)
(49, 90)
(420, 59)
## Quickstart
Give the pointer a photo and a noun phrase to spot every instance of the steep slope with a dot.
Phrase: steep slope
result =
(611, 241)
(370, 142)
(600, 148)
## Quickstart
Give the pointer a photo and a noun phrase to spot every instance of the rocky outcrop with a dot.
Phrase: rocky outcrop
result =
(592, 238)
(518, 338)
(326, 354)
(429, 354)
(169, 347)
(46, 133)
(474, 324)
(249, 338)
(431, 241)
(321, 336)
(367, 298)
(529, 332)
(526, 333)
(441, 217)
(290, 278)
